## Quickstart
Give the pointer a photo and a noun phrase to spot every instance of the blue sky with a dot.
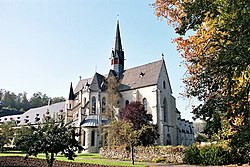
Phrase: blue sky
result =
(46, 44)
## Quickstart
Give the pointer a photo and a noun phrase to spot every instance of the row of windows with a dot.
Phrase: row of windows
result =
(92, 141)
(94, 104)
(144, 102)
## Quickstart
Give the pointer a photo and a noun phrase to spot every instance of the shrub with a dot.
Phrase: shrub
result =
(192, 155)
(207, 155)
(214, 155)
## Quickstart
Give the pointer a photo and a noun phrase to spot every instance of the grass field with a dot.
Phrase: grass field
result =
(84, 158)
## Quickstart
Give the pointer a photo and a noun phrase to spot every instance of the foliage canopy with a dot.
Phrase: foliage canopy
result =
(50, 137)
(217, 57)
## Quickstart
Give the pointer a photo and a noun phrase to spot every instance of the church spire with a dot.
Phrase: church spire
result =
(71, 93)
(118, 43)
(117, 55)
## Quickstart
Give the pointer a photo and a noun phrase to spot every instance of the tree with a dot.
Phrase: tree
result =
(21, 140)
(113, 96)
(58, 99)
(38, 99)
(6, 133)
(216, 56)
(123, 133)
(9, 100)
(135, 113)
(50, 137)
(132, 128)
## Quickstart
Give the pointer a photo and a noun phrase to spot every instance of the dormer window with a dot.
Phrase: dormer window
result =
(142, 74)
(87, 84)
(37, 119)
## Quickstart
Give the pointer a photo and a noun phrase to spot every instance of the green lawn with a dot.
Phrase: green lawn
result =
(85, 158)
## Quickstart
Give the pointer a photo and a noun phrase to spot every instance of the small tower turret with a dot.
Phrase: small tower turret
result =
(71, 99)
(117, 55)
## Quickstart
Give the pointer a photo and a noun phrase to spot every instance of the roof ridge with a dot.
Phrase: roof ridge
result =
(144, 64)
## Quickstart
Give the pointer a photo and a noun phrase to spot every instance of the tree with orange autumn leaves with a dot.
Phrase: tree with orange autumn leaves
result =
(217, 58)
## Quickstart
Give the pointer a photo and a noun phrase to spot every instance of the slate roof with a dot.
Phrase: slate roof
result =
(136, 77)
(82, 83)
(97, 82)
(92, 121)
(45, 110)
(141, 76)
(29, 117)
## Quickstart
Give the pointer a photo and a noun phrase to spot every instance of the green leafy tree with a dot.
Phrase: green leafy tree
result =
(112, 104)
(6, 133)
(216, 54)
(123, 133)
(113, 96)
(38, 99)
(21, 140)
(50, 137)
(9, 100)
(58, 99)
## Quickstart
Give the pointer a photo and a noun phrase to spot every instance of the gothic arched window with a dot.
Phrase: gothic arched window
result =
(83, 137)
(145, 104)
(103, 104)
(168, 142)
(84, 100)
(164, 84)
(165, 110)
(93, 105)
(127, 102)
(92, 138)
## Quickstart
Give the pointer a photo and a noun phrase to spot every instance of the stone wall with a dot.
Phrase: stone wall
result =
(168, 154)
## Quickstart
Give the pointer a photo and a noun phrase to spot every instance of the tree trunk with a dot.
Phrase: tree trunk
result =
(50, 159)
(132, 155)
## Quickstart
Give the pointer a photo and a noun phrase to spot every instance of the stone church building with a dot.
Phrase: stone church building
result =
(148, 83)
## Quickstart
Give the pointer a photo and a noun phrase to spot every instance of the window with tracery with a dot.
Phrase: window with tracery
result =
(103, 104)
(93, 105)
(165, 110)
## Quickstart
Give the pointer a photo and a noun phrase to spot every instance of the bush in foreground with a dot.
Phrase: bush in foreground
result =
(213, 154)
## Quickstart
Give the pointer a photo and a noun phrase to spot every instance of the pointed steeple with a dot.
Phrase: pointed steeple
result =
(117, 55)
(71, 93)
(118, 43)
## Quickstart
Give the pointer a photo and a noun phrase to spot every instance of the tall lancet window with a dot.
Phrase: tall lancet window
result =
(103, 104)
(165, 110)
(93, 138)
(93, 105)
(145, 104)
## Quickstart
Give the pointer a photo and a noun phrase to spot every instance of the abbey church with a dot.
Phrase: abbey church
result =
(148, 83)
